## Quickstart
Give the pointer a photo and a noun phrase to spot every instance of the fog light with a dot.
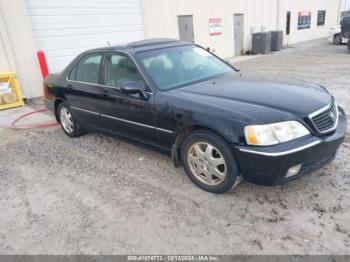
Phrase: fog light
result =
(294, 170)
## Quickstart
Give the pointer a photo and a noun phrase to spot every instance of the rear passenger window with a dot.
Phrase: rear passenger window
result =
(88, 69)
(120, 68)
(72, 75)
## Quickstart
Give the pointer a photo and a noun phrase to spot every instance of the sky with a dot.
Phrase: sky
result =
(345, 5)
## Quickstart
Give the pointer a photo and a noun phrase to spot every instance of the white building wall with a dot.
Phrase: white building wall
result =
(4, 47)
(17, 47)
(161, 20)
(258, 16)
(332, 18)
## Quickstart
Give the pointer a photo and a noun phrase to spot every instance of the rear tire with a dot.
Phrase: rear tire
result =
(348, 45)
(209, 162)
(69, 126)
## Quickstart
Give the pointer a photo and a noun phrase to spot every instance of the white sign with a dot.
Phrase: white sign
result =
(215, 26)
(5, 88)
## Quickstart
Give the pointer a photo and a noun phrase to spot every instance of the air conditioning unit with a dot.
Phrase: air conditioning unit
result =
(261, 43)
(276, 40)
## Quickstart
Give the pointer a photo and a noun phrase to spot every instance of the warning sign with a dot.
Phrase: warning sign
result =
(215, 26)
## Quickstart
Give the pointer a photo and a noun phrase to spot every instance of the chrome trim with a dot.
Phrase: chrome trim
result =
(283, 152)
(126, 121)
(164, 130)
(113, 87)
(123, 120)
(84, 110)
(321, 111)
(85, 83)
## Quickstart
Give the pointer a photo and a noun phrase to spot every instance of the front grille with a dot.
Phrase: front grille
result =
(325, 119)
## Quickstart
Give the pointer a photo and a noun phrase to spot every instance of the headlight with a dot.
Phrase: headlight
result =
(271, 134)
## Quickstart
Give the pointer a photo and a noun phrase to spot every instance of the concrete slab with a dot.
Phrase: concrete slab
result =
(7, 116)
(241, 58)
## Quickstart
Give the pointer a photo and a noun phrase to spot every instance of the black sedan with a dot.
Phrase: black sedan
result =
(217, 122)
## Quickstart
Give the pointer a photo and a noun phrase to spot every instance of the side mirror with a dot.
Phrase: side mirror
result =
(133, 87)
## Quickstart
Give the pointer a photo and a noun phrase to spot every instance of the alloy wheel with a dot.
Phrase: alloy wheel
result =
(207, 163)
(66, 120)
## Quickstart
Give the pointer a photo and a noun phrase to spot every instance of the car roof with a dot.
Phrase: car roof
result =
(143, 45)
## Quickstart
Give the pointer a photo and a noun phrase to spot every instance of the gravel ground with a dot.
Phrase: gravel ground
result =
(100, 195)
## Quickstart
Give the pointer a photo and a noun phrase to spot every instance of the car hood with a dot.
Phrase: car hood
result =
(336, 28)
(292, 96)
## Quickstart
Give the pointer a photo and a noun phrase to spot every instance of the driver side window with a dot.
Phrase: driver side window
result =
(118, 69)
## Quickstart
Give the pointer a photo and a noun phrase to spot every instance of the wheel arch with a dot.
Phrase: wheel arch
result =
(58, 101)
(182, 133)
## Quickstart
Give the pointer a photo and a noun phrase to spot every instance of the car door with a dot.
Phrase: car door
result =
(83, 90)
(124, 114)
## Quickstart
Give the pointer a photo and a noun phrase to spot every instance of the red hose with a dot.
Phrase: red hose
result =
(39, 125)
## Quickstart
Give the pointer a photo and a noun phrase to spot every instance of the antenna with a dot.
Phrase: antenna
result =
(108, 44)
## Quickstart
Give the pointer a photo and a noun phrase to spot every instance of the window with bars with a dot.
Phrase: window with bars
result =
(321, 17)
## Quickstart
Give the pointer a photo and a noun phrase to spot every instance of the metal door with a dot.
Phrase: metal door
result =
(186, 28)
(239, 33)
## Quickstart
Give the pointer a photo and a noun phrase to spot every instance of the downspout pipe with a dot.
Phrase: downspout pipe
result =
(278, 15)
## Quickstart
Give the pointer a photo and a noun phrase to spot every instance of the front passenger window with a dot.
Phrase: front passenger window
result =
(120, 68)
(88, 69)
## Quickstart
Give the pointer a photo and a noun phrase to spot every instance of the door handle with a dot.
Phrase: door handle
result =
(69, 87)
(105, 94)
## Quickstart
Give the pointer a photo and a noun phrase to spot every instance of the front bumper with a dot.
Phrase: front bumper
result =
(330, 37)
(269, 165)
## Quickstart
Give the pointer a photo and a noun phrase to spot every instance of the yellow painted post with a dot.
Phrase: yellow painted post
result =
(10, 91)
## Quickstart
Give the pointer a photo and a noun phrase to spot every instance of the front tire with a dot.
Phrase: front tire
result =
(337, 40)
(209, 162)
(68, 124)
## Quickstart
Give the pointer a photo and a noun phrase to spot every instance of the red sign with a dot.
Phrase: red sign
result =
(304, 14)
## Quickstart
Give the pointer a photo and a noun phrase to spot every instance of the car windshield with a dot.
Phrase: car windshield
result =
(174, 67)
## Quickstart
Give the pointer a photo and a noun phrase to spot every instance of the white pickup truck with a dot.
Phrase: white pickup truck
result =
(334, 35)
(345, 29)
